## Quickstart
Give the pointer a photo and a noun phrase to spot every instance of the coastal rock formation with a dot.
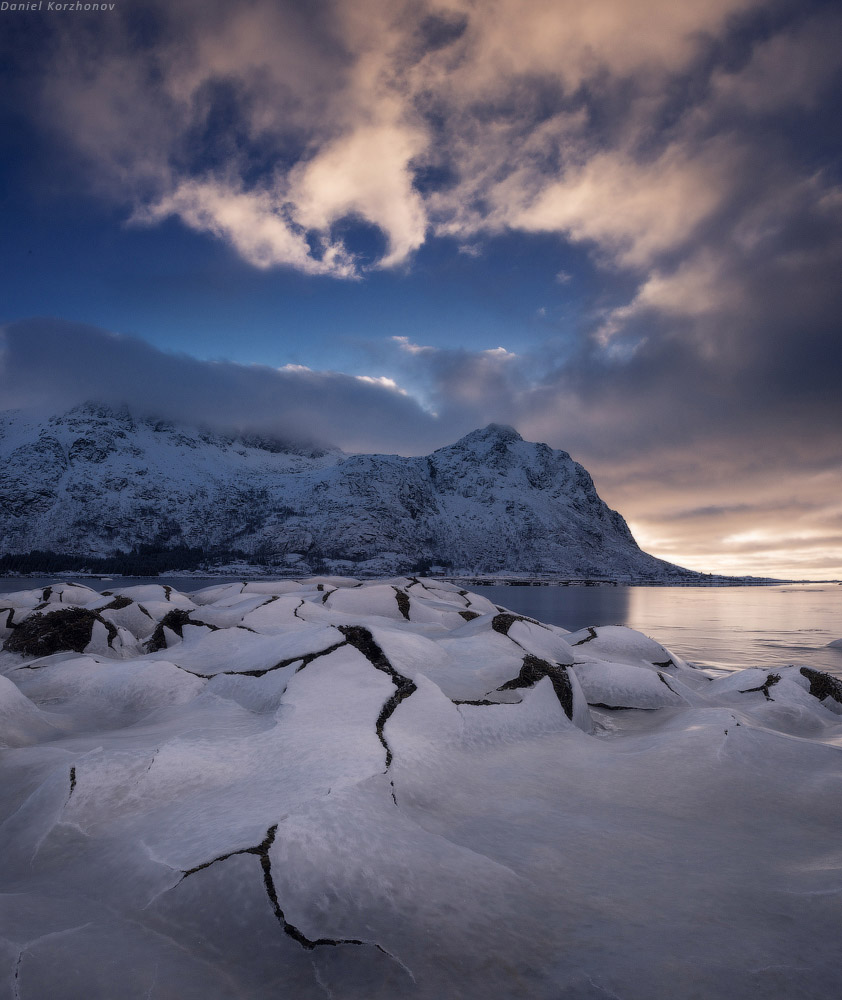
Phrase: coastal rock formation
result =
(397, 789)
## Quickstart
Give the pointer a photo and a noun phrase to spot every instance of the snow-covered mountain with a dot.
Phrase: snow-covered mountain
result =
(95, 481)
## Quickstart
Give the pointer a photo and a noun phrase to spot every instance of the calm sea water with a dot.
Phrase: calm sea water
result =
(724, 627)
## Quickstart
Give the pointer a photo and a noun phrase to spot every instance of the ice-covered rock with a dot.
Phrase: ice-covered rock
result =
(395, 789)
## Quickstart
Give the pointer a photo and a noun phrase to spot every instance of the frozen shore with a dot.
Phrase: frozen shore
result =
(398, 789)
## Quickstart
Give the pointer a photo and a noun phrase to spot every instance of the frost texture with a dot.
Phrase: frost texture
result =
(375, 791)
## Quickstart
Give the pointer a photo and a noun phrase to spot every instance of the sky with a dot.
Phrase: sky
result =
(379, 224)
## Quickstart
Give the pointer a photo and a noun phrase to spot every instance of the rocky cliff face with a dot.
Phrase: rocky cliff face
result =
(95, 481)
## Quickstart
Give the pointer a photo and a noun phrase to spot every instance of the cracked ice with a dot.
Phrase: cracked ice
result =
(397, 789)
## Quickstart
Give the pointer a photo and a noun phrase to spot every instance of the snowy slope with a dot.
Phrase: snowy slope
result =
(392, 790)
(93, 481)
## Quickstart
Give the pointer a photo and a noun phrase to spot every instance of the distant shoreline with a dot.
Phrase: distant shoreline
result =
(466, 580)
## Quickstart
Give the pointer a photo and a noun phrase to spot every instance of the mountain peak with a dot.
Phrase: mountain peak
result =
(491, 433)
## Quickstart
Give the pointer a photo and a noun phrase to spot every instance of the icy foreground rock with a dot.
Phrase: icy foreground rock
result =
(397, 789)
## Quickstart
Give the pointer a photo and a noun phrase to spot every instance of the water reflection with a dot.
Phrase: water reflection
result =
(571, 607)
(726, 627)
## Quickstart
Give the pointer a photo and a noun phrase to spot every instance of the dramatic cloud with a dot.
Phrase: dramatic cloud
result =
(267, 124)
(51, 365)
(669, 438)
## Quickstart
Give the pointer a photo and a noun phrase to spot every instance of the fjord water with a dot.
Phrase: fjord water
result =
(725, 627)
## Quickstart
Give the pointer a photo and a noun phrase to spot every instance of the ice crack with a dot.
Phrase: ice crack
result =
(363, 641)
(771, 680)
(261, 850)
(587, 638)
(304, 660)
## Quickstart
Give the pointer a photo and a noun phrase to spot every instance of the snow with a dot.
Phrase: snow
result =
(319, 796)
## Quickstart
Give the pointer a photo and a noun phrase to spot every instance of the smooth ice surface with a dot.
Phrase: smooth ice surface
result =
(370, 791)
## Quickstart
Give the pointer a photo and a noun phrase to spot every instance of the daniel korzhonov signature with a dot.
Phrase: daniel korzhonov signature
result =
(53, 5)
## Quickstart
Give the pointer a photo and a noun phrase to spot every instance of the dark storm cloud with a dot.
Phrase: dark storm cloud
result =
(717, 511)
(51, 365)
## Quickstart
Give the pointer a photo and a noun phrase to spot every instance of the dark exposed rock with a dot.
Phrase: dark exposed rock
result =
(503, 622)
(822, 685)
(68, 629)
(174, 620)
(118, 604)
(403, 602)
(533, 670)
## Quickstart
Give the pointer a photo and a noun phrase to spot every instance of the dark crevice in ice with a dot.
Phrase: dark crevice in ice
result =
(665, 681)
(470, 615)
(72, 780)
(619, 708)
(403, 602)
(363, 641)
(304, 660)
(175, 621)
(262, 851)
(296, 609)
(822, 685)
(533, 670)
(10, 622)
(587, 638)
(475, 701)
(665, 664)
(770, 681)
(16, 987)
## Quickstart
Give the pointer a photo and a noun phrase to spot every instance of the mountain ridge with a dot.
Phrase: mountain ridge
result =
(97, 481)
